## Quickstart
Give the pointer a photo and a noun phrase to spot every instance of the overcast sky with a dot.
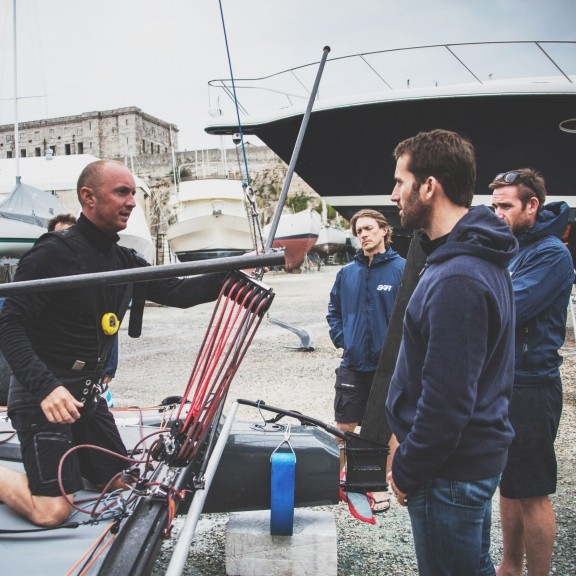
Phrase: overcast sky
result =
(77, 56)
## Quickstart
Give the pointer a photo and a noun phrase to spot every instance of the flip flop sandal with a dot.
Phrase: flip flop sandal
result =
(378, 506)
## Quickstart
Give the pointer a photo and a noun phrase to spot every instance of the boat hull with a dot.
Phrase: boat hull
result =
(242, 482)
(17, 237)
(211, 220)
(210, 236)
(296, 235)
(330, 241)
(512, 121)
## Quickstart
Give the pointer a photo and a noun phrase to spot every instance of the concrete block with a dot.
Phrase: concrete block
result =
(252, 551)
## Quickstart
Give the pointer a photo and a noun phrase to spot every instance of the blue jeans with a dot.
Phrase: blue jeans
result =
(451, 527)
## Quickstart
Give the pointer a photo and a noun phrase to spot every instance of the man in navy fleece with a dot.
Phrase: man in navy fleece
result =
(542, 278)
(449, 394)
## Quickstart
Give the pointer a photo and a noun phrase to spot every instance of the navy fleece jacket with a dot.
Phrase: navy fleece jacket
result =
(542, 277)
(449, 395)
(361, 303)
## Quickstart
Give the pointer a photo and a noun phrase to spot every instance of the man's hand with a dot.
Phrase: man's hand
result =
(400, 496)
(60, 407)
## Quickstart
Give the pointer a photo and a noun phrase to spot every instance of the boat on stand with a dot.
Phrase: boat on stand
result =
(331, 241)
(514, 100)
(211, 220)
(296, 235)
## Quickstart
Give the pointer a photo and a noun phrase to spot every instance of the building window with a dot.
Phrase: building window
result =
(143, 146)
(67, 149)
(37, 151)
(8, 153)
(80, 147)
(23, 153)
(53, 148)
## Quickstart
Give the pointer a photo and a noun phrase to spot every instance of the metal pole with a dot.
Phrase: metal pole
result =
(180, 554)
(16, 128)
(147, 273)
(296, 151)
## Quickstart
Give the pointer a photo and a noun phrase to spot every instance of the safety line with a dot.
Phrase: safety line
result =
(234, 92)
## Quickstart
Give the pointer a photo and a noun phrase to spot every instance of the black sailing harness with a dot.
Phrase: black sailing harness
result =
(103, 315)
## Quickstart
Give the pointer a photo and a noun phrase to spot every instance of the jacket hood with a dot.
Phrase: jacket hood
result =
(552, 220)
(479, 233)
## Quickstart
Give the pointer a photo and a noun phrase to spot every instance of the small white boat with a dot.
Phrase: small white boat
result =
(211, 220)
(296, 234)
(331, 240)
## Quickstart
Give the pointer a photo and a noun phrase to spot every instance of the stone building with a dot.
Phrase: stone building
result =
(109, 134)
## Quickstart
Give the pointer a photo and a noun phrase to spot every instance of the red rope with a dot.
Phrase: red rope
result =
(237, 315)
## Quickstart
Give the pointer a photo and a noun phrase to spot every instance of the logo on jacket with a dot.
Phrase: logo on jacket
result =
(385, 287)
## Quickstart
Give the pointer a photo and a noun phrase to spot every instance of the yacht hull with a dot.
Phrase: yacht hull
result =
(296, 235)
(211, 220)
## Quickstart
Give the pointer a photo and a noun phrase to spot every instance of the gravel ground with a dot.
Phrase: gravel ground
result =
(159, 364)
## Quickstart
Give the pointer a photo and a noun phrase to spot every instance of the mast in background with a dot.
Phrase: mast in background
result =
(16, 131)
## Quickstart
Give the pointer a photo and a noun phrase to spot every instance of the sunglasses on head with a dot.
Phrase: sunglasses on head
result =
(508, 177)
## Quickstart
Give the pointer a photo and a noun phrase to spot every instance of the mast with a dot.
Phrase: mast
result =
(174, 168)
(16, 131)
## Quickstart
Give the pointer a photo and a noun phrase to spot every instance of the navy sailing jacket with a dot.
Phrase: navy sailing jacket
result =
(542, 277)
(361, 303)
(449, 394)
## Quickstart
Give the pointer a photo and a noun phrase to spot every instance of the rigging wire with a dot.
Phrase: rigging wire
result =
(251, 208)
(234, 93)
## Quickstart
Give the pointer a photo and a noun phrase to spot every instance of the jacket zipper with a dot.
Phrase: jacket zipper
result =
(525, 348)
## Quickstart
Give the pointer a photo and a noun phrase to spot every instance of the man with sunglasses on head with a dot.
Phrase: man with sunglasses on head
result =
(542, 277)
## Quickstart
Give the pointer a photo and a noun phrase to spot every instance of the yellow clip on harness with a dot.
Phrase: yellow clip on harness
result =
(110, 324)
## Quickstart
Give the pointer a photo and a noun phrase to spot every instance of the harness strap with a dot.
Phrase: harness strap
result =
(78, 243)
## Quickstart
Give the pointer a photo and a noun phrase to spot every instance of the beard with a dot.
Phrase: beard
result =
(415, 213)
(520, 224)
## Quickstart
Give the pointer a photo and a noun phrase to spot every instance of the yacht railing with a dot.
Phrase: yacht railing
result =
(428, 66)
